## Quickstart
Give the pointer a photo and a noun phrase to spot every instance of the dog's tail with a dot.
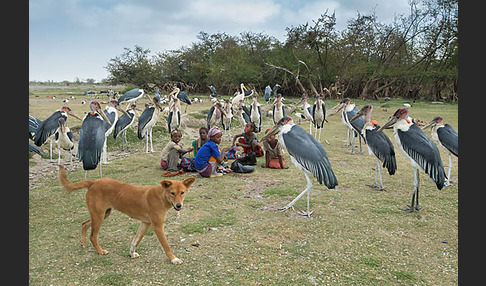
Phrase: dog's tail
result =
(68, 186)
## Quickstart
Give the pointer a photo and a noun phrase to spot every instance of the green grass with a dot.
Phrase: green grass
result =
(356, 236)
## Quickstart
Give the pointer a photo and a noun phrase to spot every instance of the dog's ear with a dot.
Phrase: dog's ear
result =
(166, 184)
(188, 182)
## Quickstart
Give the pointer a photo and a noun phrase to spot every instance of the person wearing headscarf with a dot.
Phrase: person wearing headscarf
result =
(209, 155)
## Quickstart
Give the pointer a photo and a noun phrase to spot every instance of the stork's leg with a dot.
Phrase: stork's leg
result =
(71, 155)
(101, 175)
(360, 148)
(126, 142)
(320, 130)
(307, 189)
(414, 207)
(104, 154)
(151, 146)
(146, 141)
(59, 158)
(50, 148)
(447, 183)
(352, 144)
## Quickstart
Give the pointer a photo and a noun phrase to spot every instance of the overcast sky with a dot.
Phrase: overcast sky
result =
(71, 39)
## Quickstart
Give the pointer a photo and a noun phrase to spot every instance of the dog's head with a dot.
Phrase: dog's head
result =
(176, 191)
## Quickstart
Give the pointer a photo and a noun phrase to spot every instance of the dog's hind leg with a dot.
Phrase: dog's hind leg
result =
(84, 228)
(96, 221)
(144, 226)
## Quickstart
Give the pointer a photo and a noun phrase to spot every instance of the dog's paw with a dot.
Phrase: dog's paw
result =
(104, 252)
(176, 261)
(135, 255)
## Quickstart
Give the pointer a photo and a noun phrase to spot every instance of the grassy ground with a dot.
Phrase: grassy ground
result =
(229, 232)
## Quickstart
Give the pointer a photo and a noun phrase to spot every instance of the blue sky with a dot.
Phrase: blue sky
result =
(71, 39)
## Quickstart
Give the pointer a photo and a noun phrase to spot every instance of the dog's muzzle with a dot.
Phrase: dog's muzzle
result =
(177, 207)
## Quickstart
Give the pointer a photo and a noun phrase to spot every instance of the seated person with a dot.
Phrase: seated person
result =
(172, 152)
(248, 140)
(274, 154)
(203, 138)
(208, 157)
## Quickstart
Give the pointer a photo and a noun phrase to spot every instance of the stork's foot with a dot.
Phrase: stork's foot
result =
(412, 209)
(379, 188)
(285, 208)
(303, 213)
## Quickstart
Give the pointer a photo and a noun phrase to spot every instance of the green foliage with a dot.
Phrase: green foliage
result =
(415, 56)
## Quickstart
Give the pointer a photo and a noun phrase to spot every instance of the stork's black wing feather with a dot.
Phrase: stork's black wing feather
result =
(210, 114)
(91, 140)
(47, 127)
(144, 119)
(122, 122)
(383, 148)
(424, 152)
(184, 97)
(133, 93)
(449, 138)
(33, 125)
(310, 154)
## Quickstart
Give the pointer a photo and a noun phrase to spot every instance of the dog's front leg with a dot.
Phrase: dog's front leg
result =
(159, 230)
(144, 226)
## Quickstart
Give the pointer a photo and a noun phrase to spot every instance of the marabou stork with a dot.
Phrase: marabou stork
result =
(147, 121)
(183, 96)
(256, 114)
(226, 118)
(112, 115)
(125, 122)
(422, 152)
(275, 89)
(92, 137)
(267, 93)
(243, 116)
(348, 111)
(241, 96)
(174, 118)
(213, 91)
(318, 115)
(307, 108)
(33, 125)
(214, 114)
(306, 153)
(48, 127)
(378, 144)
(278, 109)
(64, 140)
(447, 137)
(132, 95)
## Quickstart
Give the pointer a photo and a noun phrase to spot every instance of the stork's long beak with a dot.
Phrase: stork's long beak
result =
(335, 109)
(159, 105)
(74, 115)
(389, 124)
(122, 110)
(430, 124)
(103, 115)
(244, 87)
(271, 132)
(357, 115)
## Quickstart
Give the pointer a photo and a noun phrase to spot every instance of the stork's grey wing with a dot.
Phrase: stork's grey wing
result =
(33, 125)
(210, 115)
(449, 138)
(309, 153)
(424, 152)
(183, 96)
(91, 140)
(144, 119)
(383, 148)
(133, 93)
(46, 128)
(122, 122)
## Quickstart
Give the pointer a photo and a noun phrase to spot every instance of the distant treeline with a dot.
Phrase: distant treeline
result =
(413, 57)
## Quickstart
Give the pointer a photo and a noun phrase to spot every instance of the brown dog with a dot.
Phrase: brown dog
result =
(149, 204)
